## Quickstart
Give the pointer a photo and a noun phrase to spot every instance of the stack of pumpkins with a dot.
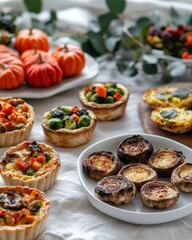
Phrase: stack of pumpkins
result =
(32, 62)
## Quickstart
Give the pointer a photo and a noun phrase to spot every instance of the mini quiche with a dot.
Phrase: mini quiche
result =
(68, 126)
(176, 120)
(165, 160)
(182, 177)
(30, 164)
(107, 100)
(138, 173)
(16, 121)
(159, 194)
(168, 97)
(101, 164)
(115, 190)
(23, 213)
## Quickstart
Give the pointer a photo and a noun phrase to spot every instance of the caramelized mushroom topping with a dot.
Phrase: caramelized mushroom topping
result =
(11, 200)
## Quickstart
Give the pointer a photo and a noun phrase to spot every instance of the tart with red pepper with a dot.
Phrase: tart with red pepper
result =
(23, 212)
(16, 121)
(107, 100)
(68, 126)
(30, 164)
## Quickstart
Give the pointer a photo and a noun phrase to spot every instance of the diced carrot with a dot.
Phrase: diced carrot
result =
(36, 165)
(47, 166)
(117, 96)
(101, 91)
(40, 159)
(24, 108)
(12, 116)
(7, 109)
(21, 119)
(75, 117)
(3, 115)
(32, 160)
(9, 126)
(34, 193)
(22, 165)
(75, 109)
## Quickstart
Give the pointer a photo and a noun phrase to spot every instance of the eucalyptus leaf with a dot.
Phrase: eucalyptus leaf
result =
(174, 14)
(111, 43)
(33, 5)
(149, 68)
(166, 78)
(160, 95)
(105, 20)
(155, 18)
(130, 43)
(181, 92)
(53, 15)
(127, 70)
(168, 113)
(144, 31)
(149, 58)
(176, 69)
(94, 26)
(138, 54)
(88, 48)
(116, 6)
(134, 30)
(130, 72)
(121, 66)
(143, 21)
(97, 42)
(116, 28)
(157, 52)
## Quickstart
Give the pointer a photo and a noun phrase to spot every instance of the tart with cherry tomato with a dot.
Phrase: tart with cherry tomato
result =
(23, 212)
(16, 121)
(107, 100)
(30, 164)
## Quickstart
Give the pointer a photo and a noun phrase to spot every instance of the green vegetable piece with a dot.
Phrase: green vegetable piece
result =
(30, 172)
(55, 123)
(88, 95)
(181, 92)
(109, 99)
(110, 85)
(66, 110)
(69, 123)
(95, 98)
(47, 157)
(35, 206)
(111, 91)
(19, 126)
(120, 91)
(47, 115)
(168, 114)
(84, 121)
(57, 113)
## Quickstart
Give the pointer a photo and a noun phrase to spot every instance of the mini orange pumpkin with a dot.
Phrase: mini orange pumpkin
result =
(31, 52)
(71, 59)
(5, 49)
(28, 38)
(11, 72)
(42, 71)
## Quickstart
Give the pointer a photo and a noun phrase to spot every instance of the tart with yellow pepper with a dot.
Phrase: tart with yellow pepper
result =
(23, 212)
(168, 97)
(16, 121)
(107, 100)
(176, 120)
(68, 126)
(30, 164)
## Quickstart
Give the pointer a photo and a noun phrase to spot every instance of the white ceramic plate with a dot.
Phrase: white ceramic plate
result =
(90, 71)
(135, 212)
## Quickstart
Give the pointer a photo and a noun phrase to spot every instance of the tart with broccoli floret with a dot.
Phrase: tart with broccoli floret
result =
(30, 164)
(68, 126)
(23, 212)
(16, 121)
(107, 100)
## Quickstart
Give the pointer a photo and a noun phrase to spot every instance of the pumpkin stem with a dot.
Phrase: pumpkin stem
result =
(4, 66)
(35, 49)
(40, 59)
(30, 31)
(66, 49)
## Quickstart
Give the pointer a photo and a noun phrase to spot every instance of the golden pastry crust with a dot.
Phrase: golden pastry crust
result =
(27, 222)
(138, 173)
(165, 160)
(106, 111)
(30, 164)
(182, 177)
(168, 97)
(115, 190)
(159, 195)
(101, 164)
(16, 121)
(176, 120)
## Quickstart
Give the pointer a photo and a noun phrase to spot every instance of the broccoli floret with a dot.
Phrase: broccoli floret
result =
(69, 123)
(109, 99)
(47, 115)
(95, 98)
(84, 121)
(57, 113)
(30, 172)
(82, 111)
(55, 123)
(66, 110)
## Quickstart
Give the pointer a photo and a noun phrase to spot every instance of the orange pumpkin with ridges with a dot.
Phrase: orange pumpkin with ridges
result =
(6, 49)
(42, 71)
(30, 52)
(28, 38)
(71, 59)
(11, 72)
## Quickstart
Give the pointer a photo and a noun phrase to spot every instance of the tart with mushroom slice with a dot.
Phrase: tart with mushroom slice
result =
(176, 120)
(168, 97)
(138, 173)
(30, 164)
(115, 190)
(23, 212)
(107, 100)
(159, 195)
(134, 149)
(68, 126)
(16, 121)
(165, 160)
(101, 164)
(182, 177)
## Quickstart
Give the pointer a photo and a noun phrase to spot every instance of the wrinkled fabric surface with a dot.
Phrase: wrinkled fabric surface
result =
(72, 217)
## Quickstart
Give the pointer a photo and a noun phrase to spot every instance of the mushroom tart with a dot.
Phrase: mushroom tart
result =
(159, 195)
(176, 120)
(30, 164)
(165, 160)
(182, 177)
(168, 97)
(134, 149)
(23, 212)
(101, 164)
(16, 121)
(68, 126)
(107, 100)
(115, 190)
(138, 173)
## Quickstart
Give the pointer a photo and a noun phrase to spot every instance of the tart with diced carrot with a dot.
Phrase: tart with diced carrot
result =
(16, 121)
(23, 212)
(107, 100)
(30, 164)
